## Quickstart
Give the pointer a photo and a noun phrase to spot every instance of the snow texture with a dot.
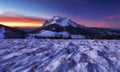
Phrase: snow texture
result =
(46, 55)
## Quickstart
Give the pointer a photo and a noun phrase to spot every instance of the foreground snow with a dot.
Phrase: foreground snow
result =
(59, 55)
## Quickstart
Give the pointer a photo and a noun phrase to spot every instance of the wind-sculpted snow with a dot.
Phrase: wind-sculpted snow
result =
(59, 55)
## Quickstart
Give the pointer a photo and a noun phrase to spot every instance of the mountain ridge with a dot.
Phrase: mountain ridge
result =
(61, 27)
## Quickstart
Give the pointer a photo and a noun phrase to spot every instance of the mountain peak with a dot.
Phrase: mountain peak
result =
(62, 21)
(59, 17)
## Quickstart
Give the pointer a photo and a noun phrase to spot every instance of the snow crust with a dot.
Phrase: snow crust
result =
(46, 55)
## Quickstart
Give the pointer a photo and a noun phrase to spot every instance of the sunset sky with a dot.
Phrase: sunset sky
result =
(33, 13)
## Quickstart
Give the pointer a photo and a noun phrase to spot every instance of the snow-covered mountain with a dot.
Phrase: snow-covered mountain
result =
(8, 32)
(61, 27)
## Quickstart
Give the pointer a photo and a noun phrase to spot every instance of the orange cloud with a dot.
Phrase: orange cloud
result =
(20, 20)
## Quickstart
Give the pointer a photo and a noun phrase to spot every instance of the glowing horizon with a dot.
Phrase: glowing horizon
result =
(21, 21)
(18, 24)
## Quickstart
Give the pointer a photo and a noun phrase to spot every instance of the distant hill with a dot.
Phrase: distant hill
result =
(8, 32)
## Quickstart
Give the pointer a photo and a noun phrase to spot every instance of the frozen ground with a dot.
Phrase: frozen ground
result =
(59, 55)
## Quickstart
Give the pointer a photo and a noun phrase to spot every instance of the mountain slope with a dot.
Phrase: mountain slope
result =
(61, 27)
(8, 32)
